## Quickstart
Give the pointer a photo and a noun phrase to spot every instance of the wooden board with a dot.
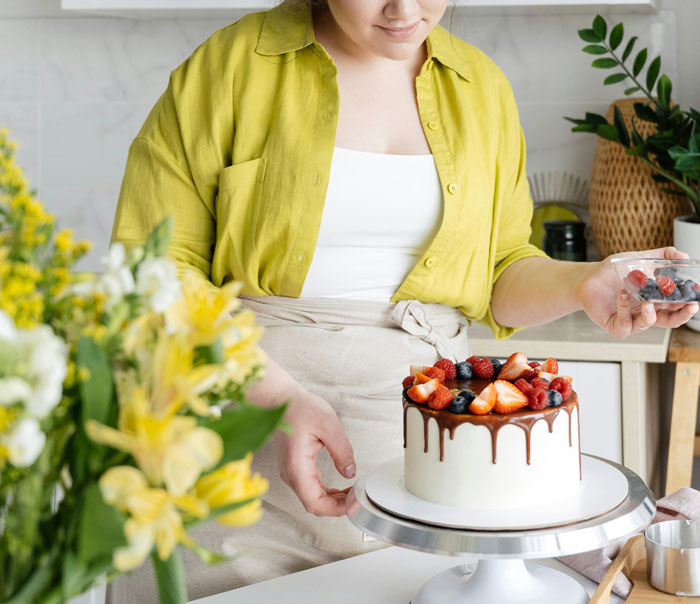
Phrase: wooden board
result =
(643, 593)
(684, 346)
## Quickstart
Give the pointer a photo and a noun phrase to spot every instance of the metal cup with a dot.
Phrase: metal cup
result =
(673, 557)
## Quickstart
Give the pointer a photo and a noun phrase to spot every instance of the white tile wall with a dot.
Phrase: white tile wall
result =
(74, 91)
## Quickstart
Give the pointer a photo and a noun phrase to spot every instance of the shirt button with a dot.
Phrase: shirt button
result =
(452, 188)
(433, 125)
(431, 262)
(301, 257)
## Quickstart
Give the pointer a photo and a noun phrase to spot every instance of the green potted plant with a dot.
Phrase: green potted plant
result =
(672, 150)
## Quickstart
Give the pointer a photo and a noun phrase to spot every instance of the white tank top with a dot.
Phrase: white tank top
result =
(381, 214)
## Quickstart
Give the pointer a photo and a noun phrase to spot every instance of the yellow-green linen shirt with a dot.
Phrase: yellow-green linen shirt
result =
(238, 150)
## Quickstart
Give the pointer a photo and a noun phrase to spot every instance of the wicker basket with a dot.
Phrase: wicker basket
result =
(628, 210)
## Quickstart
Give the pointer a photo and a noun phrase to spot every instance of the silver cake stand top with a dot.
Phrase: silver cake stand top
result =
(628, 518)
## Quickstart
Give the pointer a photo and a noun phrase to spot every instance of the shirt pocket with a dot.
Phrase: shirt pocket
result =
(237, 216)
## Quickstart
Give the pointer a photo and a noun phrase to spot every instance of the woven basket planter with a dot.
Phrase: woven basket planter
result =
(628, 210)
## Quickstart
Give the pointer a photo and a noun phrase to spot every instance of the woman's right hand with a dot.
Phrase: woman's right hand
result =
(314, 425)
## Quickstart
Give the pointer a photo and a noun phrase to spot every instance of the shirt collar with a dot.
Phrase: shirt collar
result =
(288, 29)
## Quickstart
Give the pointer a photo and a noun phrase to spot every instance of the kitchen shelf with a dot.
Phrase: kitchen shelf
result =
(222, 8)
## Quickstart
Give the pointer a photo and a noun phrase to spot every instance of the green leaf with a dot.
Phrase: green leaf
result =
(637, 151)
(157, 243)
(609, 132)
(101, 527)
(653, 73)
(213, 354)
(646, 113)
(663, 89)
(639, 62)
(694, 143)
(689, 163)
(678, 152)
(629, 48)
(621, 128)
(594, 49)
(588, 35)
(595, 118)
(244, 428)
(614, 78)
(170, 578)
(605, 63)
(600, 27)
(97, 391)
(616, 35)
(632, 90)
(584, 128)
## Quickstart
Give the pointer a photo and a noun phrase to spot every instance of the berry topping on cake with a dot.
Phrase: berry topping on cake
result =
(529, 374)
(467, 395)
(441, 398)
(543, 375)
(509, 398)
(465, 371)
(483, 403)
(435, 372)
(534, 364)
(514, 367)
(421, 378)
(407, 382)
(666, 284)
(539, 383)
(418, 369)
(497, 365)
(562, 386)
(550, 366)
(483, 368)
(459, 405)
(472, 359)
(637, 279)
(553, 398)
(523, 385)
(448, 367)
(537, 399)
(421, 393)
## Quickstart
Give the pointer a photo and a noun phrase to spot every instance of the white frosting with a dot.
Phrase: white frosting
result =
(467, 477)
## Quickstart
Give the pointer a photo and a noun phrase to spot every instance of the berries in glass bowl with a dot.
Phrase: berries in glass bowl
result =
(659, 280)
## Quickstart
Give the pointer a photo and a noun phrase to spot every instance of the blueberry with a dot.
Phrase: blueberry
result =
(467, 395)
(554, 398)
(650, 292)
(687, 291)
(496, 367)
(405, 395)
(674, 295)
(669, 271)
(459, 405)
(465, 371)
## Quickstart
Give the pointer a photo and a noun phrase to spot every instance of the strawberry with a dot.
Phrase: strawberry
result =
(421, 393)
(696, 286)
(523, 386)
(418, 369)
(514, 367)
(421, 378)
(435, 372)
(441, 398)
(509, 398)
(637, 279)
(563, 387)
(546, 376)
(448, 367)
(540, 383)
(407, 381)
(666, 284)
(550, 366)
(538, 399)
(534, 364)
(483, 403)
(483, 368)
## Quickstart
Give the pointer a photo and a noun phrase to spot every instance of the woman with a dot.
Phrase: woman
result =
(362, 172)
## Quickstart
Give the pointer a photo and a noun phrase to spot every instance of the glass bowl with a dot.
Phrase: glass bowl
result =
(674, 281)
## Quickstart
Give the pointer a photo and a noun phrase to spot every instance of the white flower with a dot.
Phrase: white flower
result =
(14, 390)
(117, 279)
(47, 358)
(24, 443)
(8, 331)
(157, 280)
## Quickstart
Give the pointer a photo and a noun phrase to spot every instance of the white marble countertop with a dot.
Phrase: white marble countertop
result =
(574, 338)
(387, 576)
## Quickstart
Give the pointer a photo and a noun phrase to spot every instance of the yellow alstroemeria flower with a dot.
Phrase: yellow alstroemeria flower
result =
(233, 483)
(171, 450)
(154, 516)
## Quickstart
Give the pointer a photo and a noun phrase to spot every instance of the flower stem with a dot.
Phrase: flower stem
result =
(170, 577)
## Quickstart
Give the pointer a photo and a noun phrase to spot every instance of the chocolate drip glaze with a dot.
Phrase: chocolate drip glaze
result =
(493, 422)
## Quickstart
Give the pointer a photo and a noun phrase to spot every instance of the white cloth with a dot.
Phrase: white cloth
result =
(381, 213)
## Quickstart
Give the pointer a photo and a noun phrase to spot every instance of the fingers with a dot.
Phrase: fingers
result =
(339, 446)
(676, 318)
(625, 322)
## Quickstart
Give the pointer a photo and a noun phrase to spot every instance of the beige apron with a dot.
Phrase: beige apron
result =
(354, 354)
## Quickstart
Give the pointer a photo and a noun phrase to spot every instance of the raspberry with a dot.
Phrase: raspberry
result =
(637, 279)
(441, 398)
(483, 368)
(539, 383)
(523, 386)
(666, 284)
(435, 372)
(534, 364)
(528, 375)
(472, 359)
(407, 382)
(537, 399)
(696, 286)
(448, 367)
(563, 387)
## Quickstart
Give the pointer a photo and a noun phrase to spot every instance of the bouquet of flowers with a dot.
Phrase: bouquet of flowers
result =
(123, 419)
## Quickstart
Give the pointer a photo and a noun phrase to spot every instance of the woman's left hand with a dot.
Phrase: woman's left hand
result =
(612, 308)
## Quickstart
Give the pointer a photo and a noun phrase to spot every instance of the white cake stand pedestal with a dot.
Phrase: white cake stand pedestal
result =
(502, 575)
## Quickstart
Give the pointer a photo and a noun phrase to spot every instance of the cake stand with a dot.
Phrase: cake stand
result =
(501, 575)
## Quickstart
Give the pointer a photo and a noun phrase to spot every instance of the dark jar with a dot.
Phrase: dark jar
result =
(565, 240)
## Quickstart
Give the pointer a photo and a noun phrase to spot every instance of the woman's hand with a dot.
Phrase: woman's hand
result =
(611, 308)
(314, 425)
